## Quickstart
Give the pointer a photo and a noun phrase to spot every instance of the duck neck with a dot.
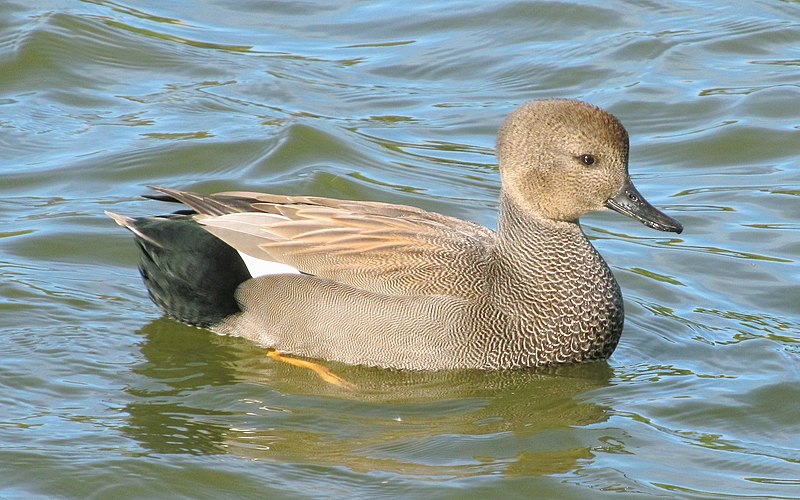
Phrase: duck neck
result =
(520, 230)
(555, 288)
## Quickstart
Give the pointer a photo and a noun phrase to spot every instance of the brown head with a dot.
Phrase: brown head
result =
(562, 158)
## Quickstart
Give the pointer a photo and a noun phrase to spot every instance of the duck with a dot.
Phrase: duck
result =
(398, 287)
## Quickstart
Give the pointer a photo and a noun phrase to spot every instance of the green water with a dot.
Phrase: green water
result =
(100, 397)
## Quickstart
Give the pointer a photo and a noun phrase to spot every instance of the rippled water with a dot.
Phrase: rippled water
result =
(100, 397)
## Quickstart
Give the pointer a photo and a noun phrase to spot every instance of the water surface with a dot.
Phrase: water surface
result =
(102, 397)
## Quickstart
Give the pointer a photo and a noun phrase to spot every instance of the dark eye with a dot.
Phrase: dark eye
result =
(587, 159)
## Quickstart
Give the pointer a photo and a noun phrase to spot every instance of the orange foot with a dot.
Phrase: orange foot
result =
(320, 370)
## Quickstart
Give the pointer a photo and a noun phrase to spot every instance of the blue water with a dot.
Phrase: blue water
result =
(101, 397)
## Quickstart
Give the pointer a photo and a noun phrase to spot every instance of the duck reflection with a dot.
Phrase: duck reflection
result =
(203, 394)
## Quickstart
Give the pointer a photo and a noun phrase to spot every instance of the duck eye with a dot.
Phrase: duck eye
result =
(587, 159)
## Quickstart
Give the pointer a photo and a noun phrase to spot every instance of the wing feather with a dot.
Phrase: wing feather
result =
(374, 246)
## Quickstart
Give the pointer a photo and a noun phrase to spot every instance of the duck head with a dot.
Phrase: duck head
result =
(562, 158)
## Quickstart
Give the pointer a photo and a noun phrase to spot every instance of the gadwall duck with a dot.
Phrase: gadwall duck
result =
(395, 286)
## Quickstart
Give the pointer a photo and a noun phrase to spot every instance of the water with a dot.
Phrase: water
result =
(100, 397)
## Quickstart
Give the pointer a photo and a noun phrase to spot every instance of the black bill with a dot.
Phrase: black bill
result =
(629, 202)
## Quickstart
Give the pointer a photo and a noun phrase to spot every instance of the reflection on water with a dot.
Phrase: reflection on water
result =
(451, 424)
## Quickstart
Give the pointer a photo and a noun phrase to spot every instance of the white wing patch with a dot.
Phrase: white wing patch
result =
(245, 232)
(258, 267)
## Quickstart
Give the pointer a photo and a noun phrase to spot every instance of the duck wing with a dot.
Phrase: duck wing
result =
(379, 247)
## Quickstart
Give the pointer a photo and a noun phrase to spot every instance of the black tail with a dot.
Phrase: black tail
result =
(190, 274)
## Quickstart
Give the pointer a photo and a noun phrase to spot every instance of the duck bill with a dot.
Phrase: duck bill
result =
(629, 202)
